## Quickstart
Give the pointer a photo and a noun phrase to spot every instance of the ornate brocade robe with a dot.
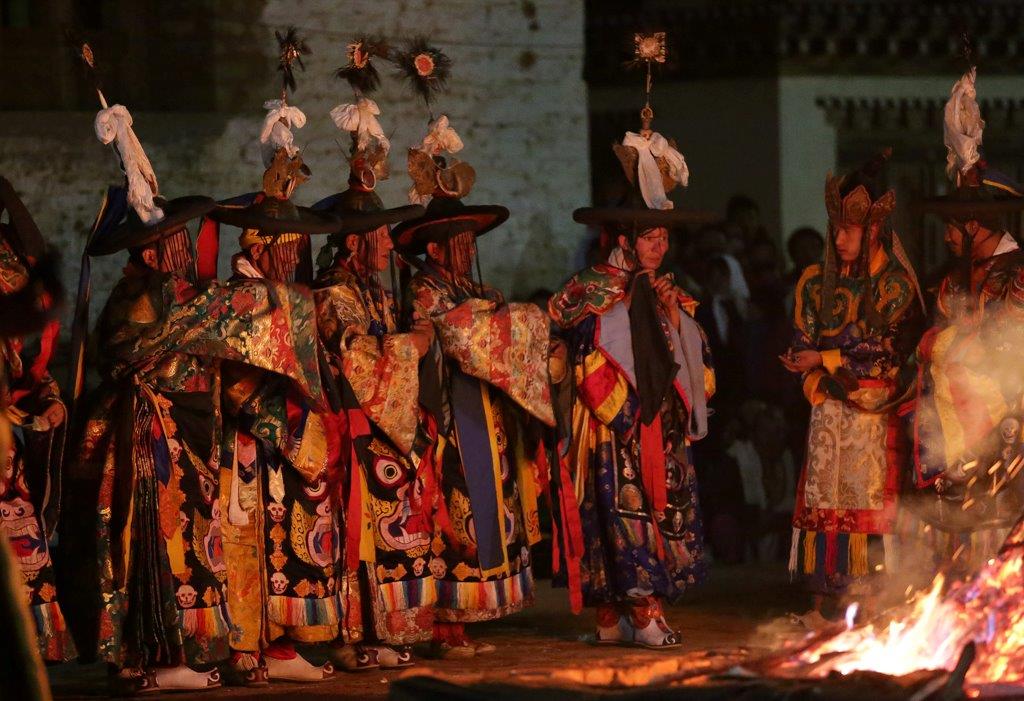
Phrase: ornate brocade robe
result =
(23, 676)
(27, 468)
(493, 371)
(641, 527)
(24, 483)
(280, 524)
(969, 409)
(847, 492)
(390, 547)
(152, 440)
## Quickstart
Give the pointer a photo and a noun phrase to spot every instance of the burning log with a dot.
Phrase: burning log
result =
(979, 620)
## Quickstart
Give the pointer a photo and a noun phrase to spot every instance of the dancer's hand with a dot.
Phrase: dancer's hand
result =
(801, 361)
(52, 416)
(422, 335)
(666, 290)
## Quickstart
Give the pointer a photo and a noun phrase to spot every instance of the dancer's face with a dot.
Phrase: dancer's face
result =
(849, 238)
(372, 249)
(455, 256)
(650, 248)
(955, 235)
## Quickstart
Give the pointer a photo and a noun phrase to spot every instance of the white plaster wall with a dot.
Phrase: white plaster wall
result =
(517, 98)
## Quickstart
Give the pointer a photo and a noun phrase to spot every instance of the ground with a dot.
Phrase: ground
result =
(730, 610)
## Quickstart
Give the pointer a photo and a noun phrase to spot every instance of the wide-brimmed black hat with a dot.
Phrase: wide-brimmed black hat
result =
(633, 213)
(133, 232)
(22, 233)
(271, 215)
(994, 195)
(363, 210)
(444, 218)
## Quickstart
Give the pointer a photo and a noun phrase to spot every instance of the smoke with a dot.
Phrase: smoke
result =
(952, 584)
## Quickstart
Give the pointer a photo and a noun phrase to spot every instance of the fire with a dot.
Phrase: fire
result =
(931, 631)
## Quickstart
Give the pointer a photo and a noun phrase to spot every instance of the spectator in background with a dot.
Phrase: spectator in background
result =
(722, 320)
(683, 260)
(805, 246)
(749, 498)
(710, 243)
(778, 479)
(743, 225)
(768, 327)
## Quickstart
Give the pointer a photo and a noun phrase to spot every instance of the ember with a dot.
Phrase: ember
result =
(932, 631)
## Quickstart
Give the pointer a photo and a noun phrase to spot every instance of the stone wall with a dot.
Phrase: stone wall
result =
(516, 96)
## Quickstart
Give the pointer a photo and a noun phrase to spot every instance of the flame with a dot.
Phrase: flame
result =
(932, 629)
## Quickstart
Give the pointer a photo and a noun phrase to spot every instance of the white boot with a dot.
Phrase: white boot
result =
(617, 634)
(183, 678)
(656, 635)
(297, 669)
(392, 657)
(355, 657)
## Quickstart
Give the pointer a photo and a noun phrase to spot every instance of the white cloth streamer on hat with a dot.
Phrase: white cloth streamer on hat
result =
(441, 137)
(115, 124)
(651, 186)
(962, 126)
(277, 129)
(361, 120)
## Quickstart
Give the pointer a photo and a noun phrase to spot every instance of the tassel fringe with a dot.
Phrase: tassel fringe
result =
(831, 553)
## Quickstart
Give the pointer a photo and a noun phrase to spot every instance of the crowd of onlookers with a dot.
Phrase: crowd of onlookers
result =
(749, 463)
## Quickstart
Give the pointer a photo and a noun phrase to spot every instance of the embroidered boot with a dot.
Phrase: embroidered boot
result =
(157, 679)
(650, 629)
(246, 669)
(285, 664)
(450, 642)
(612, 626)
(355, 657)
(394, 656)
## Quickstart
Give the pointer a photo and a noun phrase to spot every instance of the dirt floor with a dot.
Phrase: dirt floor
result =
(739, 606)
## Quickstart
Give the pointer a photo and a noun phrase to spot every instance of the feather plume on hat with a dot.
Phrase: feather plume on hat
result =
(426, 67)
(359, 70)
(292, 48)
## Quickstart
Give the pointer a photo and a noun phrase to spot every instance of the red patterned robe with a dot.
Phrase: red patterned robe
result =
(494, 371)
(25, 476)
(281, 533)
(389, 447)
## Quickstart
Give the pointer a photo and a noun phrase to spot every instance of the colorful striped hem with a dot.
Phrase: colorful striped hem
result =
(292, 611)
(52, 634)
(501, 596)
(409, 593)
(831, 553)
(207, 623)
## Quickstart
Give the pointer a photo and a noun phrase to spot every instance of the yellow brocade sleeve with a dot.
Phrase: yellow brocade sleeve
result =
(831, 359)
(382, 371)
(385, 379)
(811, 387)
